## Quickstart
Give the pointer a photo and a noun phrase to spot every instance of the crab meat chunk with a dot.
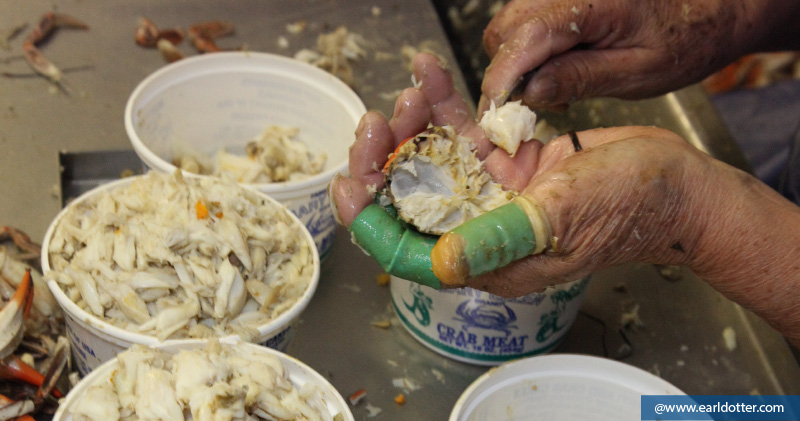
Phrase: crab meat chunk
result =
(509, 125)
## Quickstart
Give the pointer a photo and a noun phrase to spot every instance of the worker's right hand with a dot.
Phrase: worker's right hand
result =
(637, 194)
(626, 194)
(623, 48)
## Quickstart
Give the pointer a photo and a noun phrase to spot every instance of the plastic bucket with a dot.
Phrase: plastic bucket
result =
(223, 100)
(299, 374)
(560, 387)
(95, 341)
(480, 328)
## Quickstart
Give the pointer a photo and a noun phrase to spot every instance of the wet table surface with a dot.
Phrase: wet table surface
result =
(680, 337)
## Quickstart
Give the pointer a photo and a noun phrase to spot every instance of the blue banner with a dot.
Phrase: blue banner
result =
(721, 407)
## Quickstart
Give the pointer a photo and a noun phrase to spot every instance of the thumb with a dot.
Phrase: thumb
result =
(621, 73)
(526, 35)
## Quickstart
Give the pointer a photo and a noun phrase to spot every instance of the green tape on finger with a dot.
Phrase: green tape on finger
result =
(399, 249)
(490, 241)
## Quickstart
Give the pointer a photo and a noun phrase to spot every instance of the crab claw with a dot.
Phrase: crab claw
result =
(13, 315)
(23, 241)
(13, 368)
(38, 62)
(15, 410)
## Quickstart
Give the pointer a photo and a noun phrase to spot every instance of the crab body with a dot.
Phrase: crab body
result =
(436, 182)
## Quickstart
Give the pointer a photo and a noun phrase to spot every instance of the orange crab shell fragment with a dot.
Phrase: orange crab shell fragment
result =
(394, 154)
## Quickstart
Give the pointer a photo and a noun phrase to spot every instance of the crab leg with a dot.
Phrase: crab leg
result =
(203, 34)
(49, 22)
(13, 368)
(13, 270)
(53, 373)
(23, 241)
(15, 410)
(13, 315)
(399, 249)
(148, 35)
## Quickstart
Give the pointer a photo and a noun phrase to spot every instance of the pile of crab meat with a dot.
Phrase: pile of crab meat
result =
(275, 155)
(219, 381)
(176, 257)
(436, 182)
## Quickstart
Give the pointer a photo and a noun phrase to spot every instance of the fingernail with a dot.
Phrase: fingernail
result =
(542, 90)
(332, 198)
(361, 123)
(399, 106)
(483, 105)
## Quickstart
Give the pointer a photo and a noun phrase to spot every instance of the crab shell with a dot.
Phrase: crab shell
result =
(436, 182)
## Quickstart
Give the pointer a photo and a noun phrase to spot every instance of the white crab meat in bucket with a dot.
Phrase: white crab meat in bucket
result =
(215, 382)
(176, 257)
(436, 182)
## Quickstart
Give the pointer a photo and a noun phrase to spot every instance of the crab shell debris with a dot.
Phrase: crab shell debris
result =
(436, 182)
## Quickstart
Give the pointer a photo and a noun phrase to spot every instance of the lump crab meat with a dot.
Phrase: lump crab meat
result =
(436, 182)
(176, 257)
(509, 125)
(218, 381)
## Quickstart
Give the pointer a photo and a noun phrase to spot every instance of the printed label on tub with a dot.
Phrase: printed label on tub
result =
(316, 214)
(280, 341)
(475, 326)
(89, 350)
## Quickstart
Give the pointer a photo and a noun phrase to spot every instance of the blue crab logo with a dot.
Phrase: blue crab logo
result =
(486, 316)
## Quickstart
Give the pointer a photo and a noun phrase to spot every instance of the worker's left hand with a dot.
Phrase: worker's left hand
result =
(437, 102)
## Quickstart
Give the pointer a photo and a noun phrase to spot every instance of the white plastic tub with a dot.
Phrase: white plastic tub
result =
(560, 387)
(299, 374)
(480, 328)
(223, 100)
(95, 341)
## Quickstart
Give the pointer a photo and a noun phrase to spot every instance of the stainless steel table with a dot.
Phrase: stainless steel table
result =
(681, 336)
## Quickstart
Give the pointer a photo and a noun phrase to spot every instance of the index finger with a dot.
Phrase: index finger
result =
(448, 106)
(530, 45)
(526, 35)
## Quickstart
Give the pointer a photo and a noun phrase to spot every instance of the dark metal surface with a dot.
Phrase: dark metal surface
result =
(82, 171)
(682, 318)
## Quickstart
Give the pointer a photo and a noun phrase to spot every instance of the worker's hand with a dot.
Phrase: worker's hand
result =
(437, 102)
(615, 201)
(640, 194)
(621, 48)
(626, 194)
(631, 194)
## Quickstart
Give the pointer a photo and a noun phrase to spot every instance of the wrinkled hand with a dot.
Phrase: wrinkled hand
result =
(616, 201)
(643, 194)
(632, 194)
(435, 101)
(620, 48)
